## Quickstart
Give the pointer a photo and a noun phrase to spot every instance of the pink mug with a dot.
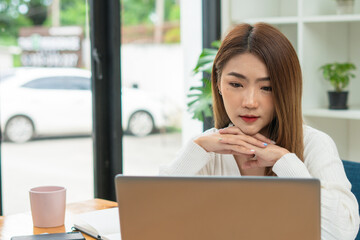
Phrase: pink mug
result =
(48, 206)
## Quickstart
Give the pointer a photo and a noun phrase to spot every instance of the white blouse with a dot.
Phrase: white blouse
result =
(339, 207)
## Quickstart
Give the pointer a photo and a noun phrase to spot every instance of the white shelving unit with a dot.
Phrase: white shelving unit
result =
(319, 36)
(350, 114)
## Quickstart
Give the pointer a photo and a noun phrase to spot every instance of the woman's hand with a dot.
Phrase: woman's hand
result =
(264, 156)
(236, 131)
(230, 144)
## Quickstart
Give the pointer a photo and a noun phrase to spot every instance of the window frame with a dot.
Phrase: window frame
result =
(211, 31)
(106, 84)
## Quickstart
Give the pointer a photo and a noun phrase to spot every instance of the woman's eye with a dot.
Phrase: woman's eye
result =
(235, 85)
(268, 89)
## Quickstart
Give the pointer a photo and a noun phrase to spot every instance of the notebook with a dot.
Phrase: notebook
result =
(213, 208)
(100, 224)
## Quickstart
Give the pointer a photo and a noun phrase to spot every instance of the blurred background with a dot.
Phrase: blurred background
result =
(46, 83)
(46, 102)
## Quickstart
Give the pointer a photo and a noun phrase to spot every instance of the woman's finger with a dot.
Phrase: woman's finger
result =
(236, 131)
(230, 130)
(242, 140)
(232, 152)
(236, 149)
(263, 138)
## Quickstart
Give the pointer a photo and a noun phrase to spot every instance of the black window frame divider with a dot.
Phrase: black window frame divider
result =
(211, 31)
(106, 95)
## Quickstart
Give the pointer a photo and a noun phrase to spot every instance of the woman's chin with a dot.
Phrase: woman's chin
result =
(252, 129)
(249, 131)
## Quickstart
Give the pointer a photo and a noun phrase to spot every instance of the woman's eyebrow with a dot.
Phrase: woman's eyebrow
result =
(263, 79)
(239, 75)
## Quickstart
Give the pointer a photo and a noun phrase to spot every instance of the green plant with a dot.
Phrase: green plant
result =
(200, 95)
(338, 74)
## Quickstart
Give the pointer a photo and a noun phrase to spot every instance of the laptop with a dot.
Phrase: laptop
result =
(218, 208)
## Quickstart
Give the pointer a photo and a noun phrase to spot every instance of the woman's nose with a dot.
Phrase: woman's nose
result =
(250, 99)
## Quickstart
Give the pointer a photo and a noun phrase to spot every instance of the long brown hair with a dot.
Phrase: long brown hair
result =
(280, 58)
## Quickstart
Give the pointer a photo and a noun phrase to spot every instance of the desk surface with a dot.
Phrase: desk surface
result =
(21, 224)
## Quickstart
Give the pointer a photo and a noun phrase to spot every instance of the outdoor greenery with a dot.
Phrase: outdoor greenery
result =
(200, 94)
(135, 12)
(20, 13)
(338, 74)
(70, 12)
(15, 14)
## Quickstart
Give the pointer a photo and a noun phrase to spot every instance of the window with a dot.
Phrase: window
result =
(46, 132)
(152, 94)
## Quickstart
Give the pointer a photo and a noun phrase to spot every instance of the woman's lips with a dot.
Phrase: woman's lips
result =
(249, 119)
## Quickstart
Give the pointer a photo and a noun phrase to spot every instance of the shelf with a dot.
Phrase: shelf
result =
(308, 19)
(350, 114)
(332, 18)
(319, 36)
(272, 20)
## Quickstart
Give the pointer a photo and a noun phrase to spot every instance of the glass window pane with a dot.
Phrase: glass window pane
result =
(152, 84)
(45, 100)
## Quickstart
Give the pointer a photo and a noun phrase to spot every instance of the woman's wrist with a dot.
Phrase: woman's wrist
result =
(199, 142)
(282, 152)
(285, 151)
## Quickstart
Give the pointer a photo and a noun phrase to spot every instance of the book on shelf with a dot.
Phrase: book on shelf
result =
(101, 224)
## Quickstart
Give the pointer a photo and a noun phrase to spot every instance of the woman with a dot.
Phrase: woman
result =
(257, 86)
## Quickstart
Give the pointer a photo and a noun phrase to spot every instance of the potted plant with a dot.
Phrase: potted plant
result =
(200, 95)
(345, 6)
(338, 74)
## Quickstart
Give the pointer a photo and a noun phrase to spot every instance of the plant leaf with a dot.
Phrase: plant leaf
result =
(200, 103)
(201, 96)
(216, 44)
(338, 74)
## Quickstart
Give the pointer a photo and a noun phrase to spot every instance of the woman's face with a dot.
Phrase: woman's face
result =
(247, 94)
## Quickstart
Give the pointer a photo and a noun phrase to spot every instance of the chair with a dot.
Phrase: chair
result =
(352, 170)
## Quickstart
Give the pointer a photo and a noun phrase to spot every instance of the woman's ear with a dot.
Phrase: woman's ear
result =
(219, 87)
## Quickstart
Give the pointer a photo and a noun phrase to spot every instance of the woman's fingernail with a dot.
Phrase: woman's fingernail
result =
(273, 142)
(265, 144)
(220, 139)
(252, 150)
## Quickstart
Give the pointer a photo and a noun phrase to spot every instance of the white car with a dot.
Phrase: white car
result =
(58, 101)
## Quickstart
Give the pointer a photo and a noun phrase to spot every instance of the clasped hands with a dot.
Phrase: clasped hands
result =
(232, 140)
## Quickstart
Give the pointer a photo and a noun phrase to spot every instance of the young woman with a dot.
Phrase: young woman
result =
(257, 87)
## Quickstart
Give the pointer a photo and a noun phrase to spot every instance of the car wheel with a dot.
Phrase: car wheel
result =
(19, 129)
(141, 123)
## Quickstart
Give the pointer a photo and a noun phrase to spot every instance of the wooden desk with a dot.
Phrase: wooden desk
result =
(21, 224)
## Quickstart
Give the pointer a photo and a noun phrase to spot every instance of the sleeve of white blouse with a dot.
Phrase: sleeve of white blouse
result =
(191, 160)
(339, 207)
